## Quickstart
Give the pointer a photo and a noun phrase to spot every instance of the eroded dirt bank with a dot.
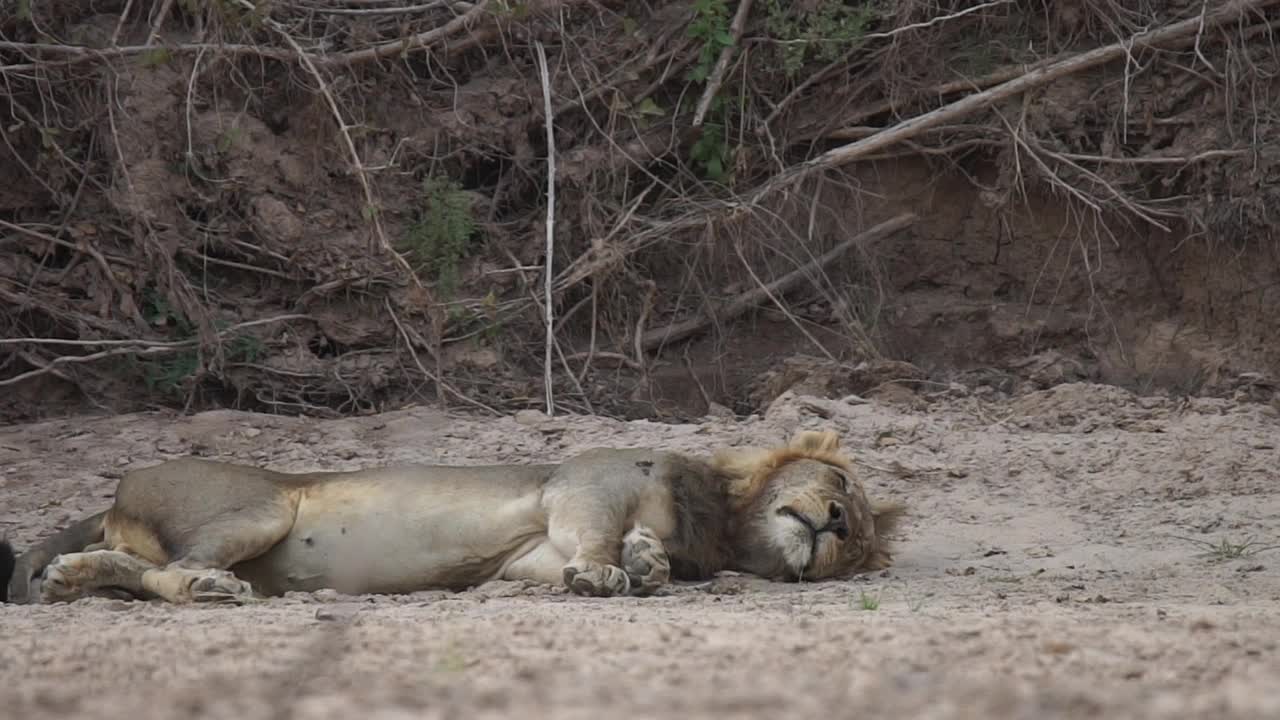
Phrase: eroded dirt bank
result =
(1058, 564)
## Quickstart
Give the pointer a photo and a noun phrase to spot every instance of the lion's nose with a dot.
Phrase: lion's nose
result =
(838, 524)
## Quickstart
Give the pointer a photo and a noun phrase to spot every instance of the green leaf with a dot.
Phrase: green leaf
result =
(715, 169)
(649, 107)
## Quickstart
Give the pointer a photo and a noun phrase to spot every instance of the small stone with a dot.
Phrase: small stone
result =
(530, 418)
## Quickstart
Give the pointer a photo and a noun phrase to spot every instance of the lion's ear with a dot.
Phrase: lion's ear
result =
(815, 441)
(887, 517)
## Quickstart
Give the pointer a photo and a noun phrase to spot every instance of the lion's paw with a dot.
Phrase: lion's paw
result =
(61, 580)
(645, 561)
(596, 580)
(220, 586)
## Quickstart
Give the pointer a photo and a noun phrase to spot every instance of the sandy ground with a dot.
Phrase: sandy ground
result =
(1058, 564)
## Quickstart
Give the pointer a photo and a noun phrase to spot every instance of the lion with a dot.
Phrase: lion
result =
(606, 522)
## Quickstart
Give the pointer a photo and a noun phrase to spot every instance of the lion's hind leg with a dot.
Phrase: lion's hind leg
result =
(202, 572)
(75, 575)
(193, 564)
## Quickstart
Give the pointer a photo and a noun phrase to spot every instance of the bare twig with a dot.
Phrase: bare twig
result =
(722, 64)
(422, 40)
(843, 60)
(125, 347)
(439, 383)
(161, 15)
(551, 222)
(746, 300)
(372, 211)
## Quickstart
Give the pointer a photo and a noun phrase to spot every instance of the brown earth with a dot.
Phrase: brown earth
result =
(1112, 226)
(1077, 551)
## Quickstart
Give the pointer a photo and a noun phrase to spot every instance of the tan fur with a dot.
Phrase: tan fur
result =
(604, 522)
(751, 468)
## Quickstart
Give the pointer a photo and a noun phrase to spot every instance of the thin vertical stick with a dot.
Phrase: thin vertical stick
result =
(551, 220)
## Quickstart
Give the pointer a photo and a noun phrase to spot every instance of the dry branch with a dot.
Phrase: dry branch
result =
(549, 121)
(134, 347)
(1229, 12)
(722, 63)
(745, 301)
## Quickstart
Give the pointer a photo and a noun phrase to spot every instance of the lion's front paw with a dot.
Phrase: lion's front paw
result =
(586, 578)
(61, 580)
(645, 561)
(220, 586)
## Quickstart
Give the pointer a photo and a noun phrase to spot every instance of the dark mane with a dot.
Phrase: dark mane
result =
(704, 524)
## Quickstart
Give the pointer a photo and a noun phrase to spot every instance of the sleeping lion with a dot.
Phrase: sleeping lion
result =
(605, 522)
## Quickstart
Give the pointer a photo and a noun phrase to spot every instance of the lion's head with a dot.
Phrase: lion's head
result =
(803, 513)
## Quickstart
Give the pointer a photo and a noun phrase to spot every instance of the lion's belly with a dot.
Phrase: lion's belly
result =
(391, 538)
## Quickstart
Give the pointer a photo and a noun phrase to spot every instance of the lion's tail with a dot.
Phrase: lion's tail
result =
(7, 562)
(17, 571)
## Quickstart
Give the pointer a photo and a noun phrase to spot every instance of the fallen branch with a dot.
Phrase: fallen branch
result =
(722, 63)
(130, 347)
(76, 54)
(851, 130)
(745, 301)
(1228, 12)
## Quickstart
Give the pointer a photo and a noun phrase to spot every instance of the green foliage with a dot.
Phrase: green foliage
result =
(156, 57)
(711, 26)
(823, 33)
(711, 152)
(166, 373)
(438, 241)
(157, 311)
(228, 138)
(230, 12)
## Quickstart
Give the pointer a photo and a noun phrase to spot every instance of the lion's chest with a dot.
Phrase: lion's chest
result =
(389, 539)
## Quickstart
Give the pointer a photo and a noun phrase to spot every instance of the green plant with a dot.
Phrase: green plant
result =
(711, 151)
(228, 138)
(711, 26)
(438, 240)
(156, 57)
(824, 32)
(868, 602)
(165, 373)
(1226, 549)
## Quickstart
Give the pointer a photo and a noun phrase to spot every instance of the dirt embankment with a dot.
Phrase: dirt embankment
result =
(289, 207)
(1074, 551)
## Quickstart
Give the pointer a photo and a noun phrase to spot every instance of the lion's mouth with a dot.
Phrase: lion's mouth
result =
(800, 566)
(835, 525)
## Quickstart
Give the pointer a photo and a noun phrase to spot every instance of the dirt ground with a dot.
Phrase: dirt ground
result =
(1058, 564)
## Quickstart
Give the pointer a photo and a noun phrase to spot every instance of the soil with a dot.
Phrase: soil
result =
(1074, 551)
(168, 194)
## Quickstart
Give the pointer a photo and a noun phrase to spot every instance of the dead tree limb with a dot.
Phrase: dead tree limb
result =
(722, 64)
(745, 301)
(1231, 11)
